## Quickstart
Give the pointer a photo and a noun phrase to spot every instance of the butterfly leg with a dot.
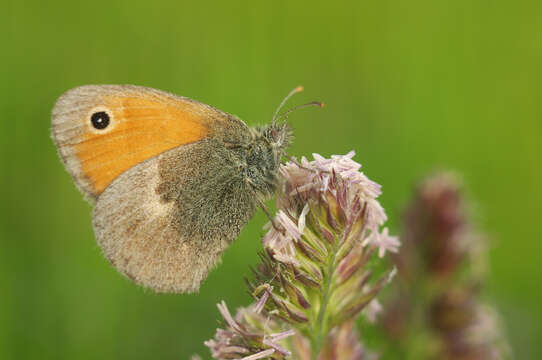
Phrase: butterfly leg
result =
(295, 161)
(264, 207)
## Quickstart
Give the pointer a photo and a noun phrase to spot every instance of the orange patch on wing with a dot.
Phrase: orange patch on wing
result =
(141, 129)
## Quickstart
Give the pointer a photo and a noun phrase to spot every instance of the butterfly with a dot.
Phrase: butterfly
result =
(173, 181)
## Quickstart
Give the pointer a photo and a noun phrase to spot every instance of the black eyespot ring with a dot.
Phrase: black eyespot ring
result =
(100, 120)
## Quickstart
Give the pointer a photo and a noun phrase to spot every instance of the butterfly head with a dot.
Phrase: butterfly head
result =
(264, 156)
(268, 146)
(278, 135)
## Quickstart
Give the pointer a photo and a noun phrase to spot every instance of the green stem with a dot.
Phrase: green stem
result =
(319, 327)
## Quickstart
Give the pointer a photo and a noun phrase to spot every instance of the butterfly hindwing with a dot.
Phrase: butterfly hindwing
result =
(164, 223)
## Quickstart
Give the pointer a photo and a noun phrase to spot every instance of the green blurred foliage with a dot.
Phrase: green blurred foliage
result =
(412, 86)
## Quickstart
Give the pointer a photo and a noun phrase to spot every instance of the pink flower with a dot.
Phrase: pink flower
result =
(317, 271)
(373, 310)
(249, 335)
(384, 242)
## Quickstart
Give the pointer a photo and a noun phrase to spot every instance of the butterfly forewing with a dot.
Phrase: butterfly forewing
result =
(103, 130)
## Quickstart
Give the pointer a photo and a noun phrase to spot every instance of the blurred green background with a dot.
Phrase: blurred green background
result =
(412, 86)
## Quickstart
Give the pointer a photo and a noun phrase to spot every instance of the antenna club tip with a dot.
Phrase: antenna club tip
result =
(322, 105)
(299, 88)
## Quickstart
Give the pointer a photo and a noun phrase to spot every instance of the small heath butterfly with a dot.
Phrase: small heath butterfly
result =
(173, 180)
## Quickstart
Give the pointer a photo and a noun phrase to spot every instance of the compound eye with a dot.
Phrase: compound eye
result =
(100, 120)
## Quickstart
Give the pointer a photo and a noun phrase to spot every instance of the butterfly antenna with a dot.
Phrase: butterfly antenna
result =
(312, 103)
(292, 93)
